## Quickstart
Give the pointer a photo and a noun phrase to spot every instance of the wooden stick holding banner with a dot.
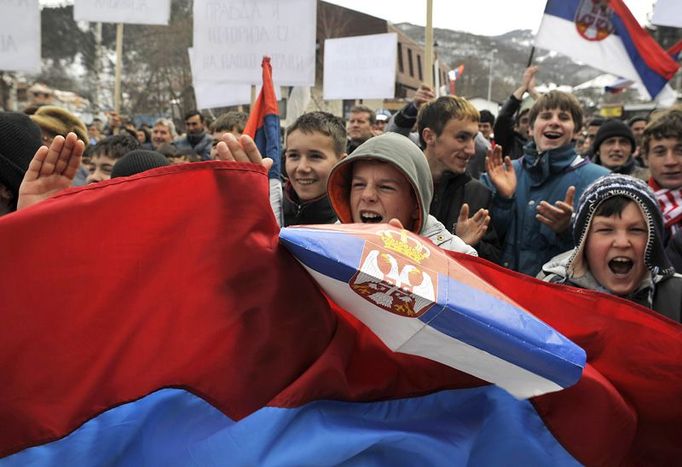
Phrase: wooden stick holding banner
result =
(119, 61)
(428, 44)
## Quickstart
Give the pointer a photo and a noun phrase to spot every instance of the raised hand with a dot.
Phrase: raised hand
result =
(558, 216)
(51, 170)
(423, 95)
(242, 150)
(471, 229)
(501, 173)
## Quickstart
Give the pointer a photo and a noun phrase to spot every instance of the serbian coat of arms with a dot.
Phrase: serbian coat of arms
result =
(593, 19)
(393, 276)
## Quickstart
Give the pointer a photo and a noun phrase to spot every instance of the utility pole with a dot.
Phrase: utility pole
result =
(428, 45)
(96, 103)
(490, 74)
(119, 64)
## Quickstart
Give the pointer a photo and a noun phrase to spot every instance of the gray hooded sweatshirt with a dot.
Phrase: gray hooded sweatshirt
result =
(405, 156)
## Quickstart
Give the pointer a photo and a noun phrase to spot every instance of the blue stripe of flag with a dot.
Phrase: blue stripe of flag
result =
(268, 141)
(172, 427)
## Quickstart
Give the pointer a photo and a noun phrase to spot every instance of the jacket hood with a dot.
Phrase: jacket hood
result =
(621, 185)
(391, 148)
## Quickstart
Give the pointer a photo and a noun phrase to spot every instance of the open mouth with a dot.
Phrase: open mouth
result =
(370, 217)
(620, 265)
(552, 135)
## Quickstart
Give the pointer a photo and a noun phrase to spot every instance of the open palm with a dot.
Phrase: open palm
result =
(501, 173)
(51, 170)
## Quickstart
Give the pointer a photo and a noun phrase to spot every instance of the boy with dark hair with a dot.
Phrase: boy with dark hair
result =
(533, 200)
(447, 128)
(486, 124)
(662, 151)
(105, 154)
(315, 142)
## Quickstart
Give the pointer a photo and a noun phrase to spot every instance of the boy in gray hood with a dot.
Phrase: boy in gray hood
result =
(388, 177)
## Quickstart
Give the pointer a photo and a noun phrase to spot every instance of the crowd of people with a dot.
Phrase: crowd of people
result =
(538, 188)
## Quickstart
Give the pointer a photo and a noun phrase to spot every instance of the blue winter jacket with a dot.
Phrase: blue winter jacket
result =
(528, 243)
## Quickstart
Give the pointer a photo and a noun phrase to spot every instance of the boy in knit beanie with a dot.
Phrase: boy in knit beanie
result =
(613, 148)
(138, 161)
(618, 230)
(19, 140)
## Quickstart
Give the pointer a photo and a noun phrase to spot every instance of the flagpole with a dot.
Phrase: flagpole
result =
(119, 60)
(428, 44)
(530, 58)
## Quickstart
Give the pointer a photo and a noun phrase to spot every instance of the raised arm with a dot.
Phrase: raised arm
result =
(242, 150)
(51, 170)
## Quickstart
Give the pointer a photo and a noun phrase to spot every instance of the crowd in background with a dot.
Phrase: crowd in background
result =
(539, 188)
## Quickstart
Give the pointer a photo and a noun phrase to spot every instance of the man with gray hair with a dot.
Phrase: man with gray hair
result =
(163, 132)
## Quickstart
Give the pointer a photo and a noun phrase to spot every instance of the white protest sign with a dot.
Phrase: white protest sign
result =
(232, 36)
(212, 94)
(360, 67)
(668, 13)
(122, 11)
(20, 35)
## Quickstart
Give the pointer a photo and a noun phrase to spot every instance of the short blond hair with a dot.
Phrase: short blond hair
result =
(437, 113)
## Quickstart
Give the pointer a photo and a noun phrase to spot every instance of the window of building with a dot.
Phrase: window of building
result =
(401, 67)
(409, 62)
(419, 67)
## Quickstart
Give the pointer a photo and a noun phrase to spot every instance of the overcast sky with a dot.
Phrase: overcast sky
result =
(483, 17)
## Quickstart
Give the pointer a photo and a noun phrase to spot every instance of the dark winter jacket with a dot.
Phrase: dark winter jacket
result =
(316, 211)
(450, 193)
(546, 176)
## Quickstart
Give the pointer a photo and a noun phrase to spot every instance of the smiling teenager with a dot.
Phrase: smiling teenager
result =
(314, 143)
(619, 235)
(533, 200)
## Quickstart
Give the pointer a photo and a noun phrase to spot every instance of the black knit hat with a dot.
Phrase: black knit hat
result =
(612, 185)
(138, 161)
(20, 138)
(610, 128)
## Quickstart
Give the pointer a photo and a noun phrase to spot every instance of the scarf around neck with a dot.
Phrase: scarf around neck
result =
(670, 202)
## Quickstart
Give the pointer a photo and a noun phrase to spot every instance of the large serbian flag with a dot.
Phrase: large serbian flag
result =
(158, 320)
(605, 35)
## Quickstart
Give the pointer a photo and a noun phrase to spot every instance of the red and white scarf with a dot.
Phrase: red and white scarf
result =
(670, 202)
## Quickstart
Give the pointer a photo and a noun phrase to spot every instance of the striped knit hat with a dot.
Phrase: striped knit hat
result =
(612, 185)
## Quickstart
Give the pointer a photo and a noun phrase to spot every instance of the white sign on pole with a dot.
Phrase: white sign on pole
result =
(360, 67)
(212, 94)
(232, 36)
(20, 35)
(668, 13)
(122, 11)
